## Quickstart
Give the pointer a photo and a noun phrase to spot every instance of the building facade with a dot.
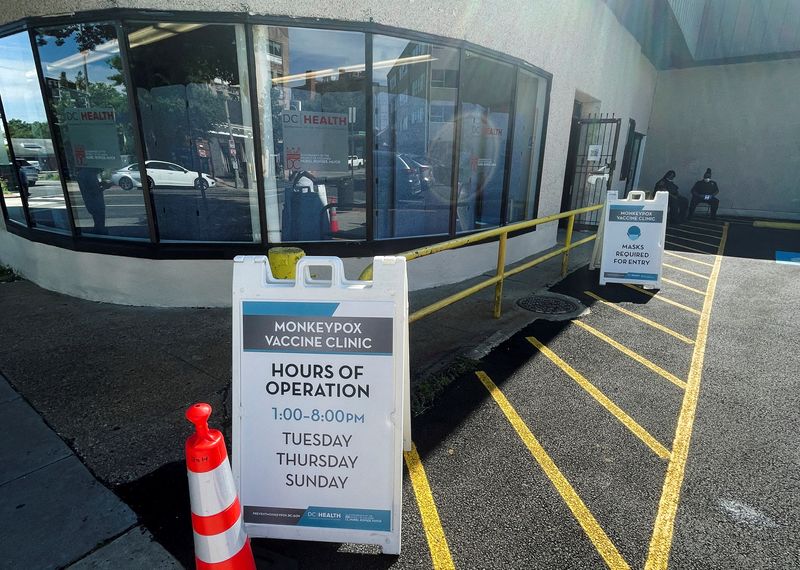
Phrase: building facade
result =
(163, 143)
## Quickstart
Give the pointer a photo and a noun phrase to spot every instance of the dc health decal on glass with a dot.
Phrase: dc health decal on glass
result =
(634, 233)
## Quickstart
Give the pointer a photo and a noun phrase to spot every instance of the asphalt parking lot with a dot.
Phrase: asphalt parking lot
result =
(655, 432)
(658, 430)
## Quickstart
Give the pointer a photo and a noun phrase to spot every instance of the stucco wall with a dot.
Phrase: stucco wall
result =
(579, 41)
(742, 121)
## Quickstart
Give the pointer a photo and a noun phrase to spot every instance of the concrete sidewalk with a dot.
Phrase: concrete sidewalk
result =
(114, 382)
(52, 510)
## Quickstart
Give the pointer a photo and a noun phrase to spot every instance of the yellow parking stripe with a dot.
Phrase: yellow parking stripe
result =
(604, 401)
(704, 228)
(673, 254)
(673, 244)
(628, 352)
(715, 236)
(694, 240)
(707, 224)
(653, 324)
(662, 298)
(437, 542)
(661, 541)
(675, 267)
(671, 282)
(582, 514)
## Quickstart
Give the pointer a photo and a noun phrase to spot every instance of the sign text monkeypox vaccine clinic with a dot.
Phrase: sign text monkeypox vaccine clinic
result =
(319, 436)
(633, 239)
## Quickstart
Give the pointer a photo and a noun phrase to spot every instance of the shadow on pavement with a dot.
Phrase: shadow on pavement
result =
(161, 500)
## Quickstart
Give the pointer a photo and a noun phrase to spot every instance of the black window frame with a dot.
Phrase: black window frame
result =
(157, 249)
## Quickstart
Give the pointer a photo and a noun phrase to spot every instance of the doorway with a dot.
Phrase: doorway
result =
(633, 163)
(591, 161)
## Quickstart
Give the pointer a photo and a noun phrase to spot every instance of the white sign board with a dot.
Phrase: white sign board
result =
(315, 141)
(595, 150)
(93, 137)
(633, 239)
(318, 401)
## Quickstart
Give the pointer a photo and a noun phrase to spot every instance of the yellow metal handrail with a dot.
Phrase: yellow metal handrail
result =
(501, 272)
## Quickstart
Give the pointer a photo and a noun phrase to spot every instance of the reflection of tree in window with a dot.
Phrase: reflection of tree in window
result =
(86, 91)
(169, 75)
(107, 91)
(192, 88)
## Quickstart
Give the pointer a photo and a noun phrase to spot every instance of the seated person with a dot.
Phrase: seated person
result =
(705, 190)
(677, 203)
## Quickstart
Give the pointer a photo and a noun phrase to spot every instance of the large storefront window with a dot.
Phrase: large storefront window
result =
(311, 103)
(29, 134)
(153, 135)
(486, 100)
(528, 124)
(414, 90)
(89, 100)
(9, 181)
(192, 88)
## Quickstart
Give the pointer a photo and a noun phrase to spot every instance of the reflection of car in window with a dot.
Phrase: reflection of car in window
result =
(392, 167)
(161, 174)
(429, 170)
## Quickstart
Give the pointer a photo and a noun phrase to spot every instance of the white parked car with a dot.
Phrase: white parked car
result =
(160, 174)
(355, 162)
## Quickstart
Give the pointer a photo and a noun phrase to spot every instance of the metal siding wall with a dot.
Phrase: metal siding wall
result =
(689, 14)
(740, 28)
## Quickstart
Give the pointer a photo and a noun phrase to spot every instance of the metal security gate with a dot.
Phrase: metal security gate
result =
(590, 166)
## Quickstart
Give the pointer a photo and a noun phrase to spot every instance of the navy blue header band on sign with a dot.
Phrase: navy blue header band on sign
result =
(288, 308)
(626, 207)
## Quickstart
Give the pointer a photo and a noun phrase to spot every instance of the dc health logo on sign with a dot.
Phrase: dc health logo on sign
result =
(634, 233)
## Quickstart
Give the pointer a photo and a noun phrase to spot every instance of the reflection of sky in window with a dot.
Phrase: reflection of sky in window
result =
(386, 48)
(19, 86)
(67, 59)
(322, 49)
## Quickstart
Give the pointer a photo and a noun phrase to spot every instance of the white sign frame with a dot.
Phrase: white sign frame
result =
(388, 292)
(594, 153)
(634, 233)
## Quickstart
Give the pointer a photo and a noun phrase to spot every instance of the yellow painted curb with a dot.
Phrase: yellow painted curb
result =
(776, 225)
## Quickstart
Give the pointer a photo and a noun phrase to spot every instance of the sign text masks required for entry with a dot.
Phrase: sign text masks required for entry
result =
(317, 442)
(633, 239)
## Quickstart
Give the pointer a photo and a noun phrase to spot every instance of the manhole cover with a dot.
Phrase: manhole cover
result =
(552, 306)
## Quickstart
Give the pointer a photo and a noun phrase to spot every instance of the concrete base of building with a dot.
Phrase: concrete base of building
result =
(207, 282)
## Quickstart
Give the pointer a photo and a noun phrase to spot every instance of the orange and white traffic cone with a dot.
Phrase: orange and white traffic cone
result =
(220, 542)
(334, 222)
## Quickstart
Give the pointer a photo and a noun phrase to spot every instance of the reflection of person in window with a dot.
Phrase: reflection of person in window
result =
(23, 180)
(92, 189)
